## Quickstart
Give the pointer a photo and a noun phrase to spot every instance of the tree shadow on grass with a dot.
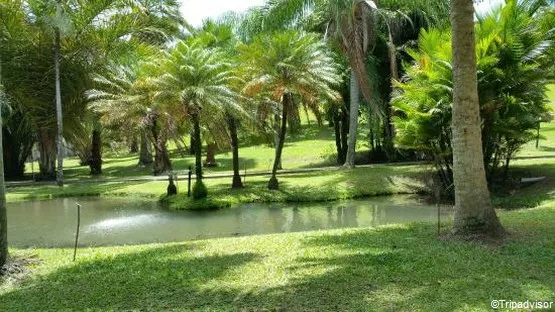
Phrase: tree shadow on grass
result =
(391, 268)
(156, 279)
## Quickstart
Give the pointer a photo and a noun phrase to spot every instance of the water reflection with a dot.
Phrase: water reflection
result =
(119, 221)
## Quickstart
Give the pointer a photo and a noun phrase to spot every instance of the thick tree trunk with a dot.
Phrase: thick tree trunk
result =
(145, 155)
(232, 123)
(211, 155)
(47, 149)
(3, 209)
(59, 119)
(96, 153)
(353, 122)
(162, 162)
(273, 184)
(474, 213)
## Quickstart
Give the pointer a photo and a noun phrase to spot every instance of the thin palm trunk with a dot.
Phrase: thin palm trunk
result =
(59, 119)
(277, 131)
(273, 184)
(232, 122)
(3, 209)
(198, 147)
(389, 128)
(353, 122)
(474, 213)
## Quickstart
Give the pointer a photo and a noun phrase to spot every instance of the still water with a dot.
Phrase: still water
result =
(122, 221)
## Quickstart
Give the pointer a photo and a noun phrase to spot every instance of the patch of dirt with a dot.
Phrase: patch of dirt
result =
(18, 267)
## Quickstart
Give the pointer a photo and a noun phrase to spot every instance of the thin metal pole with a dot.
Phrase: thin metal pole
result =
(77, 233)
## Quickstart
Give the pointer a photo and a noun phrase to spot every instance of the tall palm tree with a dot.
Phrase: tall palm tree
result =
(285, 66)
(474, 213)
(197, 81)
(3, 210)
(220, 34)
(353, 24)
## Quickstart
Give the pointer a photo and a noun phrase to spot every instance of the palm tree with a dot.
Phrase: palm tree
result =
(219, 34)
(125, 96)
(84, 35)
(283, 67)
(3, 210)
(197, 81)
(353, 24)
(474, 213)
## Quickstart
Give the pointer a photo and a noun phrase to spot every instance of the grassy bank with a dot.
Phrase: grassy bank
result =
(383, 269)
(309, 187)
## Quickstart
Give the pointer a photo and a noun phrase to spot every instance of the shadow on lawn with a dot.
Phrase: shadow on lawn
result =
(393, 268)
(390, 268)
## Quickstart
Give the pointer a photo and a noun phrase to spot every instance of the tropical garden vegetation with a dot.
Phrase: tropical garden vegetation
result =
(416, 81)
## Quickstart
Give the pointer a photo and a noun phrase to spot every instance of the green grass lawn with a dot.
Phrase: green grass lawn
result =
(392, 268)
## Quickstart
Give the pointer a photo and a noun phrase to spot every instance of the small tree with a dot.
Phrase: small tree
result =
(283, 66)
(197, 82)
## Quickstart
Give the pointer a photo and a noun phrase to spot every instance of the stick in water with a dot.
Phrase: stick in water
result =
(77, 233)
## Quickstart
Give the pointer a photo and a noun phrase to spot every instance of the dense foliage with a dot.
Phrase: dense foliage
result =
(514, 63)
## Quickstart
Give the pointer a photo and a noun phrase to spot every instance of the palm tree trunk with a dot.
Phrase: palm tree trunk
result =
(232, 123)
(134, 148)
(161, 159)
(145, 157)
(3, 209)
(47, 150)
(59, 119)
(353, 122)
(277, 120)
(474, 213)
(344, 133)
(211, 155)
(273, 184)
(337, 132)
(96, 153)
(197, 147)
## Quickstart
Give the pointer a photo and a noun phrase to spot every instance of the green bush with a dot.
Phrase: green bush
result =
(199, 190)
(513, 74)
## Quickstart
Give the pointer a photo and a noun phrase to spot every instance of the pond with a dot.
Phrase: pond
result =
(106, 222)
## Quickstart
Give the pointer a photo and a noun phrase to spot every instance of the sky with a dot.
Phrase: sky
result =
(195, 11)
